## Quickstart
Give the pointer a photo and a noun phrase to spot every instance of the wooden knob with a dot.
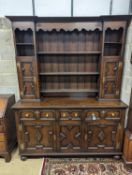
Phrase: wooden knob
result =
(47, 115)
(113, 114)
(27, 115)
(76, 114)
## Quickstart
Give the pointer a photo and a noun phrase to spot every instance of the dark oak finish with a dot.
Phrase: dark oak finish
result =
(127, 153)
(70, 72)
(63, 126)
(7, 126)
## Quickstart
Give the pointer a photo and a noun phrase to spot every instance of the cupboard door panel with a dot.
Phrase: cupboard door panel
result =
(112, 78)
(70, 131)
(103, 136)
(70, 137)
(37, 136)
(103, 130)
(27, 79)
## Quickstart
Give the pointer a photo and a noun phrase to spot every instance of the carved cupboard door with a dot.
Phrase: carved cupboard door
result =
(37, 136)
(27, 78)
(69, 132)
(112, 78)
(103, 131)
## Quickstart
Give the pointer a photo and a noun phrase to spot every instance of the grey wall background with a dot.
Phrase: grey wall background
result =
(63, 7)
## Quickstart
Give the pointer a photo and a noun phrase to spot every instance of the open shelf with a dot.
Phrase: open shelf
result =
(24, 36)
(69, 73)
(25, 50)
(112, 42)
(112, 49)
(26, 44)
(67, 90)
(114, 36)
(70, 53)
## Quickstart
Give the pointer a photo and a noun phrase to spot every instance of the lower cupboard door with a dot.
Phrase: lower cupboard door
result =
(37, 136)
(103, 136)
(70, 136)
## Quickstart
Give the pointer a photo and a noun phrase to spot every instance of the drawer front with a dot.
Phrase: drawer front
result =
(2, 137)
(70, 115)
(36, 114)
(27, 114)
(2, 146)
(112, 114)
(47, 114)
(104, 114)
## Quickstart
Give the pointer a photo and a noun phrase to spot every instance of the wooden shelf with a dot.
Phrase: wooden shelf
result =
(69, 73)
(70, 53)
(67, 90)
(24, 44)
(111, 42)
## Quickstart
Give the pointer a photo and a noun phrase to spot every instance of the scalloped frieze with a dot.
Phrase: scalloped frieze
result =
(114, 25)
(23, 26)
(91, 26)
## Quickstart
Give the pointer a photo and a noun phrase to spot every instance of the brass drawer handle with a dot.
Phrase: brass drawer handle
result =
(76, 114)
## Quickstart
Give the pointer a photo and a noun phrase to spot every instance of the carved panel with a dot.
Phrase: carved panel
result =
(27, 69)
(70, 115)
(112, 77)
(38, 135)
(28, 88)
(70, 136)
(27, 80)
(102, 136)
(109, 87)
(111, 69)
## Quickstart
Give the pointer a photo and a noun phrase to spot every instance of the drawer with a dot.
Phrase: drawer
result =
(2, 146)
(47, 114)
(27, 114)
(70, 114)
(92, 115)
(37, 114)
(112, 113)
(2, 137)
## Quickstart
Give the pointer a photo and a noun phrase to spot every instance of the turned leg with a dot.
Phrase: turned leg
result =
(23, 158)
(7, 157)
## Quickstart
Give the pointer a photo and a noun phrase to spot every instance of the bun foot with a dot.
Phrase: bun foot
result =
(7, 157)
(23, 158)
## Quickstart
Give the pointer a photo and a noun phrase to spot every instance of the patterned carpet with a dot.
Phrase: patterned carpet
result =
(78, 166)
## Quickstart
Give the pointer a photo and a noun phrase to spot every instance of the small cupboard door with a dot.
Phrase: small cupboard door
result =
(112, 78)
(37, 136)
(27, 78)
(70, 132)
(103, 131)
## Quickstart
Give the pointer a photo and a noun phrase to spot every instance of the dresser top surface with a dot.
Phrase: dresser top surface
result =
(69, 103)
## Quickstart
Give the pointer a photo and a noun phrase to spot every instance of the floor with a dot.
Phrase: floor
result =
(18, 167)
